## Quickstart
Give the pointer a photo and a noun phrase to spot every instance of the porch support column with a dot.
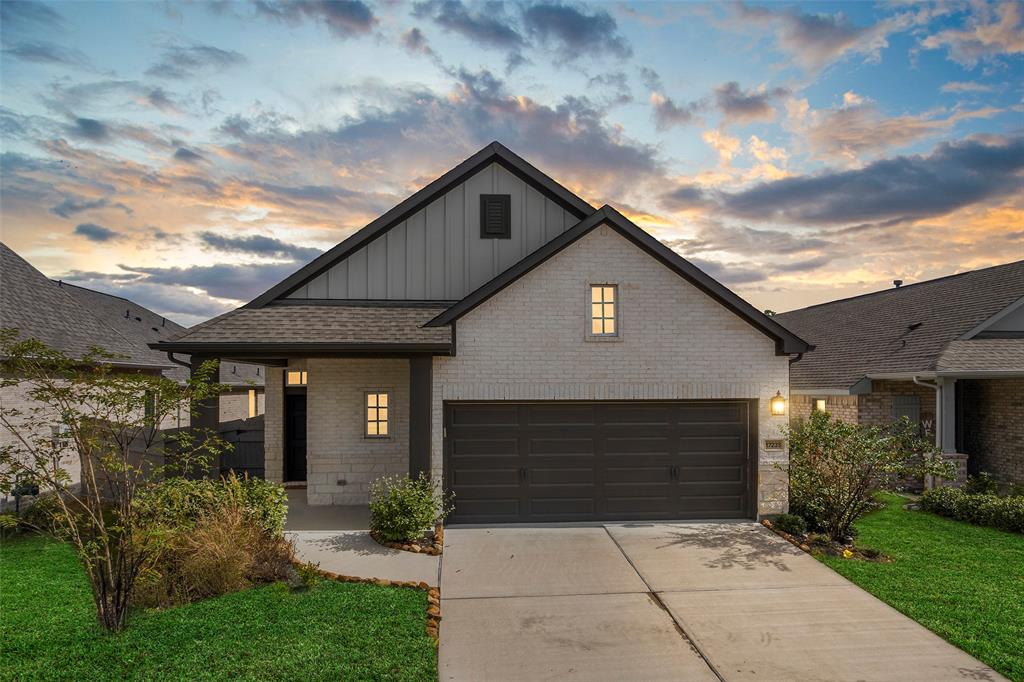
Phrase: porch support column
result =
(420, 397)
(947, 415)
(206, 415)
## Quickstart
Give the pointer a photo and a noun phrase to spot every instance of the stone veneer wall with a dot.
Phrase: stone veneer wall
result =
(340, 461)
(529, 342)
(993, 426)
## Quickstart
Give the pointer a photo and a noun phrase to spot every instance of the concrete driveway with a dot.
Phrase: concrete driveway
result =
(689, 601)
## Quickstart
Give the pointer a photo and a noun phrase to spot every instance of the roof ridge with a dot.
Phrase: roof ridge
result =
(902, 287)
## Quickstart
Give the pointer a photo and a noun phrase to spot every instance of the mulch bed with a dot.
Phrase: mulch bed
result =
(813, 542)
(432, 543)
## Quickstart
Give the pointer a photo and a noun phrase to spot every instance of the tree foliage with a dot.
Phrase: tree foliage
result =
(836, 468)
(92, 414)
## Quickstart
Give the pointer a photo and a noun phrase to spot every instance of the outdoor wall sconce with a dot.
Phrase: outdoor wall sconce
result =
(777, 404)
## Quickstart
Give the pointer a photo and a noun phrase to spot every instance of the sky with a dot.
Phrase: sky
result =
(189, 155)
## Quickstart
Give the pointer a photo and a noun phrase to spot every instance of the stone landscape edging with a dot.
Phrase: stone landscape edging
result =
(436, 548)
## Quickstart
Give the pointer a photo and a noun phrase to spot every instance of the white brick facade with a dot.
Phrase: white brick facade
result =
(340, 461)
(529, 342)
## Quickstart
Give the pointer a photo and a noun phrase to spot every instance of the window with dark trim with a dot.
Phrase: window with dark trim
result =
(495, 216)
(377, 411)
(820, 405)
(296, 377)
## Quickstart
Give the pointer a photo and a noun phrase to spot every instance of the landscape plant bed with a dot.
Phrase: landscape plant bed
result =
(817, 543)
(351, 630)
(432, 543)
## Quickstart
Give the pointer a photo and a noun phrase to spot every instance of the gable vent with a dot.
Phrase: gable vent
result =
(495, 216)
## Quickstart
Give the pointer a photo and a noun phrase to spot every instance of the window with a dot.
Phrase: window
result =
(602, 310)
(377, 415)
(296, 377)
(820, 405)
(252, 402)
(495, 216)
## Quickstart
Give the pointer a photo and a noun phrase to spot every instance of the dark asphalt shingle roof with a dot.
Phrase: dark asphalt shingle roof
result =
(983, 355)
(904, 329)
(38, 308)
(327, 324)
(142, 326)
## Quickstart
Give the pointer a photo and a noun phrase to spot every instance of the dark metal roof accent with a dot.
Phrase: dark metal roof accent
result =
(868, 335)
(785, 341)
(495, 152)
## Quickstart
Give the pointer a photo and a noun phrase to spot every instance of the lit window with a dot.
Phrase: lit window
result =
(296, 377)
(819, 405)
(252, 402)
(377, 415)
(602, 310)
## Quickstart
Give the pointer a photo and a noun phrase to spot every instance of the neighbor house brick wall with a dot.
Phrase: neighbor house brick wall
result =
(273, 425)
(234, 404)
(875, 408)
(993, 427)
(529, 342)
(341, 462)
(842, 407)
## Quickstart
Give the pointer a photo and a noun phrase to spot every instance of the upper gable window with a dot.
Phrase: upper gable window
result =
(604, 310)
(495, 216)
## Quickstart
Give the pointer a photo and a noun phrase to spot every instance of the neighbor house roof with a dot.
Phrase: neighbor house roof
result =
(141, 326)
(339, 328)
(38, 308)
(903, 330)
(495, 152)
(786, 341)
(983, 356)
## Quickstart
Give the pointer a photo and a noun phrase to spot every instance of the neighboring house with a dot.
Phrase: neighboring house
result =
(73, 320)
(548, 361)
(947, 353)
(243, 399)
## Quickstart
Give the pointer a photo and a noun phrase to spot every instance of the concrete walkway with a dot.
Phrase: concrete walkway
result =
(694, 601)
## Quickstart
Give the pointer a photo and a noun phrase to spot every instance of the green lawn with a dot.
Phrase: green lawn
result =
(335, 631)
(963, 582)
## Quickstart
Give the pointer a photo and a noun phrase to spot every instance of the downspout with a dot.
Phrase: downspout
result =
(170, 356)
(798, 358)
(929, 480)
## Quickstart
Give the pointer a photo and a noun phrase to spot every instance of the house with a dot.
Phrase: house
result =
(545, 360)
(73, 320)
(947, 353)
(244, 395)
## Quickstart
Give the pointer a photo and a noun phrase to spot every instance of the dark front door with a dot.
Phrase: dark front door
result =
(295, 437)
(599, 461)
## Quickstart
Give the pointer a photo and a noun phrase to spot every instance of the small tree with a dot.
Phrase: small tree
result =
(836, 469)
(86, 411)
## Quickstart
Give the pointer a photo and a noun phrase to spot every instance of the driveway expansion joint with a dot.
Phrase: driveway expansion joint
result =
(661, 605)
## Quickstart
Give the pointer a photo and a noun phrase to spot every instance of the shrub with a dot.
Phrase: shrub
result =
(982, 509)
(223, 552)
(835, 468)
(790, 523)
(403, 509)
(180, 502)
(982, 483)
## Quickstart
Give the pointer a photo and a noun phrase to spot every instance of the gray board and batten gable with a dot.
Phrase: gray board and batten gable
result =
(430, 247)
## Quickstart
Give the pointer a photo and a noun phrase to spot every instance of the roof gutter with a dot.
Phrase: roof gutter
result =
(798, 358)
(170, 356)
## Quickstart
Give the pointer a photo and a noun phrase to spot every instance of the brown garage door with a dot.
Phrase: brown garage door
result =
(593, 461)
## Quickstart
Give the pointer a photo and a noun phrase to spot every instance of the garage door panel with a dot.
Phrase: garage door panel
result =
(560, 446)
(486, 476)
(598, 461)
(636, 414)
(494, 414)
(485, 447)
(571, 414)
